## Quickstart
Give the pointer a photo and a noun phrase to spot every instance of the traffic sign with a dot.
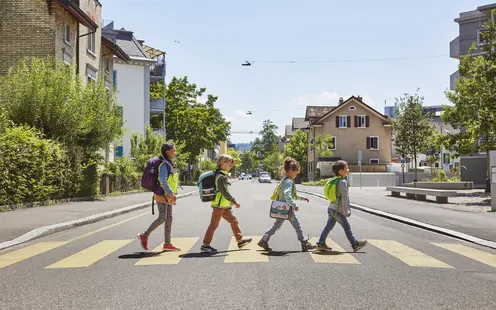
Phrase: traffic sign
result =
(359, 155)
(359, 162)
(402, 165)
(403, 161)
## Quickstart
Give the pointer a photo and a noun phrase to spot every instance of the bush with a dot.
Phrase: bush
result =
(32, 168)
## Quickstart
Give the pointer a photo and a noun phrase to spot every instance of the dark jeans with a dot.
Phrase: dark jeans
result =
(331, 221)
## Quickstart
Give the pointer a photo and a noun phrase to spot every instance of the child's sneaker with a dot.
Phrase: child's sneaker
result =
(264, 244)
(244, 243)
(359, 245)
(323, 247)
(306, 245)
(170, 247)
(143, 241)
(207, 249)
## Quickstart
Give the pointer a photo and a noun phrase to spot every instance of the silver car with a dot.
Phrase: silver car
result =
(264, 178)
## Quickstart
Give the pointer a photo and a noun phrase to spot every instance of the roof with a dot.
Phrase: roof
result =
(152, 52)
(75, 11)
(288, 131)
(128, 43)
(317, 111)
(115, 49)
(359, 100)
(299, 122)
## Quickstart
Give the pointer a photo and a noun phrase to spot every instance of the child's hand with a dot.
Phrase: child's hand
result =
(307, 200)
(296, 208)
(237, 205)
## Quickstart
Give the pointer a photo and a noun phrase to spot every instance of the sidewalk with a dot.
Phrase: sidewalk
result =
(479, 223)
(16, 223)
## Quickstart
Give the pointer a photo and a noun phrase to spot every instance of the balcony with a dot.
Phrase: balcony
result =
(157, 72)
(157, 106)
(453, 78)
(455, 48)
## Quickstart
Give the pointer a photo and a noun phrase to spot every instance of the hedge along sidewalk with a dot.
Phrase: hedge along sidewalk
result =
(23, 225)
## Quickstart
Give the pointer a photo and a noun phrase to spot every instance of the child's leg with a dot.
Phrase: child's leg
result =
(277, 224)
(231, 219)
(331, 221)
(162, 216)
(297, 226)
(347, 229)
(168, 224)
(214, 223)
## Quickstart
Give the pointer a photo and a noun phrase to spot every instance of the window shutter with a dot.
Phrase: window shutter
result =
(368, 143)
(356, 121)
(348, 121)
(367, 121)
(337, 121)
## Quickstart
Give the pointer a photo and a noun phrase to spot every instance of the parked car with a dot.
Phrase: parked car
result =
(264, 178)
(245, 176)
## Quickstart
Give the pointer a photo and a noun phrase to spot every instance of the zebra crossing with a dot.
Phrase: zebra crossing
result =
(104, 249)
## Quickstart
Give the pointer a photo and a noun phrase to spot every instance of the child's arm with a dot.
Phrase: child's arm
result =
(222, 187)
(342, 191)
(300, 197)
(287, 189)
(164, 173)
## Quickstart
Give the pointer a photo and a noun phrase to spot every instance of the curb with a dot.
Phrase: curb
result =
(411, 222)
(52, 229)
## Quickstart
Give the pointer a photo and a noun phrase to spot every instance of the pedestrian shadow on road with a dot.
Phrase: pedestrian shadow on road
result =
(278, 253)
(335, 252)
(138, 255)
(209, 254)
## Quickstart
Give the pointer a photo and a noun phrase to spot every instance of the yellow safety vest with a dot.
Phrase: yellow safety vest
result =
(220, 201)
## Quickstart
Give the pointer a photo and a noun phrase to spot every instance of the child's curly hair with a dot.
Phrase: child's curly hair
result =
(339, 165)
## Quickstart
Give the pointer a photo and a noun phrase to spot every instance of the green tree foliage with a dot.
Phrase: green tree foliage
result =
(249, 162)
(474, 100)
(413, 133)
(297, 148)
(237, 160)
(32, 168)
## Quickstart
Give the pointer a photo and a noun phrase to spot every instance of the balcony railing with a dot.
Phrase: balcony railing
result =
(157, 106)
(453, 78)
(455, 48)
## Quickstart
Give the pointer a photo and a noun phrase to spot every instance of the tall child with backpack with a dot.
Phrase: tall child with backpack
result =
(221, 206)
(336, 191)
(286, 192)
(161, 177)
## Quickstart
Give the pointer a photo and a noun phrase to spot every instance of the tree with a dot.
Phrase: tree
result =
(237, 160)
(269, 138)
(411, 128)
(272, 162)
(321, 146)
(474, 101)
(297, 148)
(48, 95)
(249, 162)
(200, 126)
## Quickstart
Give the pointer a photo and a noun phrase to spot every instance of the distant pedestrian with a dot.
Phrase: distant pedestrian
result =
(222, 206)
(169, 179)
(336, 191)
(286, 192)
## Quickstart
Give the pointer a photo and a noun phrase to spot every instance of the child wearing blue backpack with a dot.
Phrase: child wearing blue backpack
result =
(336, 191)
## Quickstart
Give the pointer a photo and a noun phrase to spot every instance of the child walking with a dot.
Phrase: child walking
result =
(169, 179)
(287, 193)
(221, 206)
(339, 210)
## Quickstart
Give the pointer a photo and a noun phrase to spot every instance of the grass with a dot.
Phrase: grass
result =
(315, 183)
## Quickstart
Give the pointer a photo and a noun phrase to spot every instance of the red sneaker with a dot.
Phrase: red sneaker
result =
(170, 247)
(143, 241)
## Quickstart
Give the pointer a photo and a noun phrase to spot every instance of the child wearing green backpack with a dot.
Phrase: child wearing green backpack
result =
(336, 191)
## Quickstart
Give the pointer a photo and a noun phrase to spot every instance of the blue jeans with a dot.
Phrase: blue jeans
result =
(331, 221)
(278, 223)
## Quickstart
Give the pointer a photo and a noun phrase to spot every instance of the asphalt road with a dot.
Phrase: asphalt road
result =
(101, 266)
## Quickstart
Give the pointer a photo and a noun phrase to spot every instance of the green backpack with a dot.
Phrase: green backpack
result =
(330, 189)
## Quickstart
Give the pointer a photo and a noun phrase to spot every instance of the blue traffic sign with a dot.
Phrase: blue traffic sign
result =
(402, 160)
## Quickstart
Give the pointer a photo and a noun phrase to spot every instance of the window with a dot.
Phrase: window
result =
(352, 108)
(333, 144)
(114, 78)
(343, 121)
(374, 160)
(372, 143)
(446, 158)
(67, 57)
(361, 121)
(91, 73)
(91, 41)
(107, 64)
(480, 37)
(67, 34)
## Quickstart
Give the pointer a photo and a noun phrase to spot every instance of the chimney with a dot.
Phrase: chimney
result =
(359, 98)
(341, 100)
(140, 41)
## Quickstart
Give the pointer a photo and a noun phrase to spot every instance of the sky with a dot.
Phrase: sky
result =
(334, 45)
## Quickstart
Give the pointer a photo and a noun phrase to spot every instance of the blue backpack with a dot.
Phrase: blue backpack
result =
(206, 185)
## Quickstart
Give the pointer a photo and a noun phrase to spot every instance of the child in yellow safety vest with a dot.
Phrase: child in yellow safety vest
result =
(221, 206)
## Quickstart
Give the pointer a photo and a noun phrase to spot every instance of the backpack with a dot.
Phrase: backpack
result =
(330, 189)
(150, 178)
(206, 185)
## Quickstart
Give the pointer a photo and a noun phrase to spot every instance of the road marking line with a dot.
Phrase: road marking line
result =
(337, 256)
(106, 227)
(477, 255)
(408, 255)
(168, 258)
(27, 252)
(90, 255)
(251, 253)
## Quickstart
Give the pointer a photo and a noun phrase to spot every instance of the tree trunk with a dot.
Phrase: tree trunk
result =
(415, 162)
